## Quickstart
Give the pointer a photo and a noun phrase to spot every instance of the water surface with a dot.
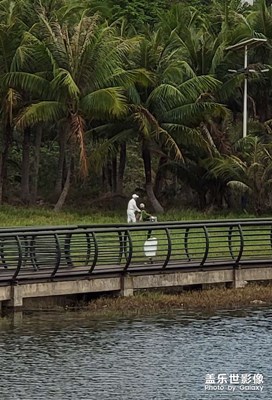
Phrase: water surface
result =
(59, 356)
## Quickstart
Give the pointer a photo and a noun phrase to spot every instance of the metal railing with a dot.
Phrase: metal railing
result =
(90, 250)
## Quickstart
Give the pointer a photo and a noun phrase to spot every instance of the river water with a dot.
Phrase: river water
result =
(62, 356)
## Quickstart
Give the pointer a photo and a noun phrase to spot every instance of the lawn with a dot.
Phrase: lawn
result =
(37, 216)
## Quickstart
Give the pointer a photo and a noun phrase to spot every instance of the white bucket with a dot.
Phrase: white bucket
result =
(150, 247)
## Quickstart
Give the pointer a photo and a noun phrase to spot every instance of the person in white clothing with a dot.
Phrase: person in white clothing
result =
(131, 208)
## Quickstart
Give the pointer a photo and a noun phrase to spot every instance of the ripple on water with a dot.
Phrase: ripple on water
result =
(67, 356)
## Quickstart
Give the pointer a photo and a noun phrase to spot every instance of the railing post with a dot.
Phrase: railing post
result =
(2, 255)
(186, 238)
(32, 250)
(67, 249)
(237, 281)
(127, 250)
(169, 248)
(20, 258)
(207, 246)
(121, 246)
(89, 248)
(58, 256)
(95, 258)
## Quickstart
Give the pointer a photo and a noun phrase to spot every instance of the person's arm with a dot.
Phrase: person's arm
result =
(135, 206)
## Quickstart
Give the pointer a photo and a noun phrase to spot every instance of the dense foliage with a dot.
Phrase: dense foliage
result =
(102, 98)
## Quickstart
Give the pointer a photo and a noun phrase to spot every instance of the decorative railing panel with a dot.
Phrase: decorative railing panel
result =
(89, 250)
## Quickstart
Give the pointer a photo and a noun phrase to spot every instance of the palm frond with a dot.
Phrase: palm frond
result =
(108, 102)
(229, 168)
(165, 97)
(127, 78)
(44, 111)
(11, 100)
(64, 80)
(169, 142)
(241, 186)
(133, 96)
(31, 83)
(218, 57)
(193, 87)
(192, 114)
(230, 86)
(188, 137)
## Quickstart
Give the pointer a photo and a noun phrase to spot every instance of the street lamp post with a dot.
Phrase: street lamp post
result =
(245, 44)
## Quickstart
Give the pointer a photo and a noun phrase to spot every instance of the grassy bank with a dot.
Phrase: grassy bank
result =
(39, 216)
(158, 302)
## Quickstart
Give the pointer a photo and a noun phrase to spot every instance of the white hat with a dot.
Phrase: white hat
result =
(142, 205)
(135, 196)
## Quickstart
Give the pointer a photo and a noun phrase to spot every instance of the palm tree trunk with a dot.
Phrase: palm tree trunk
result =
(217, 194)
(202, 199)
(25, 193)
(1, 176)
(114, 174)
(104, 179)
(66, 187)
(159, 176)
(61, 162)
(36, 166)
(4, 160)
(109, 174)
(121, 169)
(148, 179)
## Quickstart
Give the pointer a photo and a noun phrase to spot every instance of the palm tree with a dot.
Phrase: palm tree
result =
(74, 76)
(260, 19)
(14, 17)
(250, 170)
(166, 112)
(201, 41)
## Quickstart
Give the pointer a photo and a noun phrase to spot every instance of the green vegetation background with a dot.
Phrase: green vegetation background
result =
(100, 99)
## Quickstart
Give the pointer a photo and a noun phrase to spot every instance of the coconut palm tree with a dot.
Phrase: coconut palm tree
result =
(15, 18)
(202, 40)
(260, 19)
(165, 112)
(74, 76)
(250, 170)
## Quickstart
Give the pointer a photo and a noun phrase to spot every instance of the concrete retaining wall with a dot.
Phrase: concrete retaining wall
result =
(13, 295)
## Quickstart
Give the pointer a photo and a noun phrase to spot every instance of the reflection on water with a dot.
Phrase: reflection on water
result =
(68, 356)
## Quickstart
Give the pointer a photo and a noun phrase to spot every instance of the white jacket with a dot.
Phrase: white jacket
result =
(132, 206)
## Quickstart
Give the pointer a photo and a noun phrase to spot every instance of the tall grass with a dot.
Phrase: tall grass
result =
(201, 300)
(21, 216)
